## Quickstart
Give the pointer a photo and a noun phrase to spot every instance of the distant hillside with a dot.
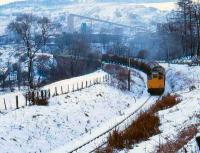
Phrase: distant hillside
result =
(146, 14)
(133, 1)
(31, 2)
(138, 1)
(53, 2)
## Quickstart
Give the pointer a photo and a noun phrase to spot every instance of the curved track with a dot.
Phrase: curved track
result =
(104, 135)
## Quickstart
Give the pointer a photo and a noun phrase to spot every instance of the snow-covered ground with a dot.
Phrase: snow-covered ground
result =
(74, 118)
(180, 79)
(10, 98)
(68, 117)
(35, 129)
(69, 84)
(172, 121)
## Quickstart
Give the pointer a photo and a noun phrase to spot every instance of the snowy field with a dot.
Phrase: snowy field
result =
(74, 118)
(35, 129)
(180, 78)
(172, 121)
(68, 117)
(67, 86)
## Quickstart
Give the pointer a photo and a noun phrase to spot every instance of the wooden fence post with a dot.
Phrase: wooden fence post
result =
(86, 83)
(17, 102)
(129, 80)
(29, 97)
(5, 103)
(33, 98)
(49, 93)
(42, 94)
(61, 88)
(56, 92)
(37, 95)
(26, 97)
(45, 94)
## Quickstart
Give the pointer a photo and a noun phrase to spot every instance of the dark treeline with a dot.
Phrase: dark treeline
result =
(180, 35)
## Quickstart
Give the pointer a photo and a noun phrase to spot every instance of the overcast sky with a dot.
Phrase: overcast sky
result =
(7, 1)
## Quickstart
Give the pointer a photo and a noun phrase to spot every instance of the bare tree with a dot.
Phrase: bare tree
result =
(183, 6)
(196, 16)
(33, 33)
(183, 29)
(79, 49)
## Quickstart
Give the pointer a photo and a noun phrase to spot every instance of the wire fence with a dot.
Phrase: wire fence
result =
(41, 96)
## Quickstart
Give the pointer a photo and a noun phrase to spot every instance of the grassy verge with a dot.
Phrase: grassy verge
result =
(145, 126)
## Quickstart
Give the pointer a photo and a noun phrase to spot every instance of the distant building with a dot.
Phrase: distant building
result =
(84, 28)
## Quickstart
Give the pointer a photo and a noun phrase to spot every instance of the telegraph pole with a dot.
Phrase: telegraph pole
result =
(129, 75)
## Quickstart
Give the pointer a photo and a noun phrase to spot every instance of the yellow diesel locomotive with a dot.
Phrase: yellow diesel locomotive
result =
(155, 72)
(155, 79)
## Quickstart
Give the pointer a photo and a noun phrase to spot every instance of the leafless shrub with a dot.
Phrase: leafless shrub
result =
(165, 103)
(145, 126)
(41, 102)
(184, 136)
(119, 75)
(37, 98)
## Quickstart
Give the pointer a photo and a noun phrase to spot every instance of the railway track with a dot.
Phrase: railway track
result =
(120, 125)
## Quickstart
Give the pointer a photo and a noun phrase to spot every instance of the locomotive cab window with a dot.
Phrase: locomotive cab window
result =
(154, 75)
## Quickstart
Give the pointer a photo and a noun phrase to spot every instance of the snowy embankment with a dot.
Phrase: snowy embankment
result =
(73, 118)
(8, 101)
(73, 83)
(180, 79)
(68, 117)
